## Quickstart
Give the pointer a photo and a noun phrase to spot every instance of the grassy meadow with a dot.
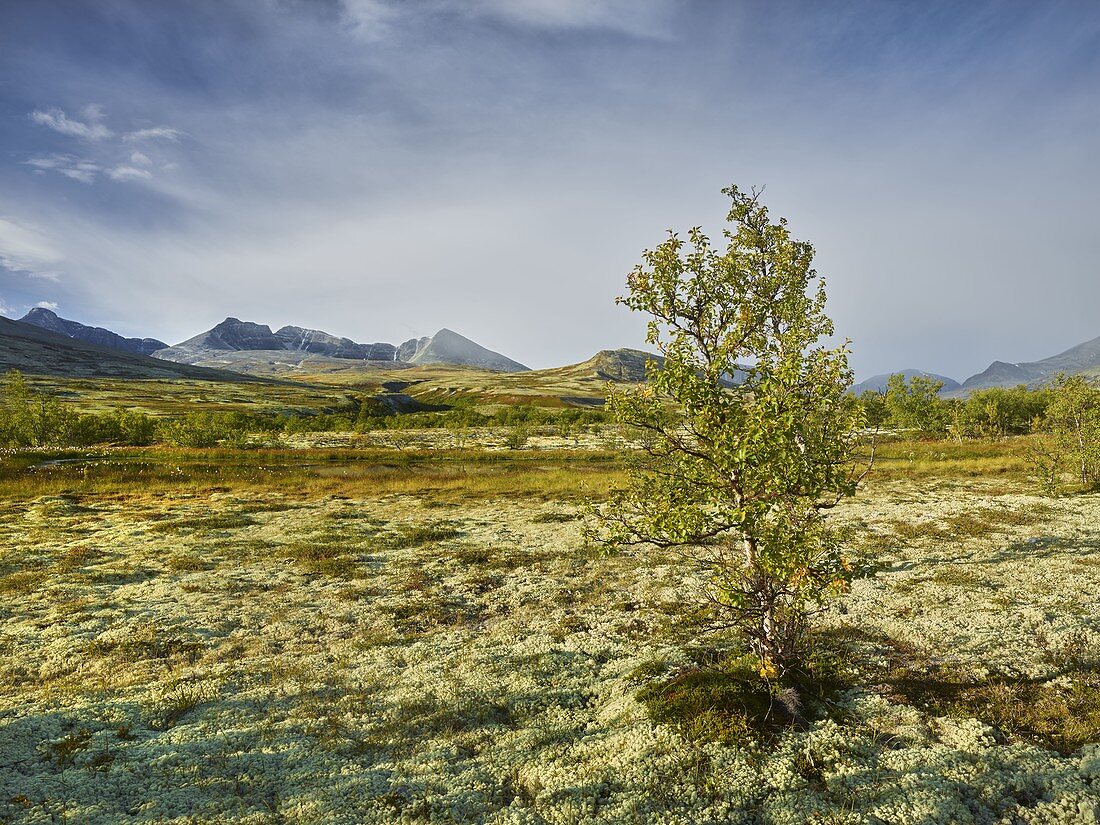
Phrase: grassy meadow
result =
(395, 627)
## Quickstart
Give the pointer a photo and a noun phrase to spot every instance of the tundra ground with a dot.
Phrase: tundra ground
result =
(379, 637)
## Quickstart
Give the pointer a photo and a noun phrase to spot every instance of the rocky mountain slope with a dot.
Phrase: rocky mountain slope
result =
(234, 335)
(322, 343)
(278, 362)
(48, 319)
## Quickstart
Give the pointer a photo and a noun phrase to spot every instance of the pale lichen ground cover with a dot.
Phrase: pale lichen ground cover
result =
(250, 658)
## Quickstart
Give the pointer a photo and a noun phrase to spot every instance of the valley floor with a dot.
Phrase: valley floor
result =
(216, 655)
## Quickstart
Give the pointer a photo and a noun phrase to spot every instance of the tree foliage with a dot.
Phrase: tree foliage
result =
(915, 404)
(1073, 426)
(998, 412)
(749, 433)
(29, 418)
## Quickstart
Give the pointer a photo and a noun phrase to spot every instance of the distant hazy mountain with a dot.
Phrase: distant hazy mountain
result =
(257, 341)
(38, 351)
(448, 347)
(878, 382)
(47, 319)
(1081, 358)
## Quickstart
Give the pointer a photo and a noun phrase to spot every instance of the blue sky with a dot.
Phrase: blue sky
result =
(380, 169)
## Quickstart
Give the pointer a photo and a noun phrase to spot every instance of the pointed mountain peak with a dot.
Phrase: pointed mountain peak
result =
(449, 347)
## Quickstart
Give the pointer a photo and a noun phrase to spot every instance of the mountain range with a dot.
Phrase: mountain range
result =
(235, 336)
(244, 347)
(48, 319)
(1081, 358)
(36, 350)
(240, 343)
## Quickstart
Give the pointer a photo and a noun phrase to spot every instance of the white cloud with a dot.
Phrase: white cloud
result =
(5, 310)
(153, 133)
(636, 17)
(128, 173)
(84, 173)
(79, 169)
(87, 170)
(60, 122)
(93, 111)
(369, 19)
(50, 305)
(24, 248)
(373, 19)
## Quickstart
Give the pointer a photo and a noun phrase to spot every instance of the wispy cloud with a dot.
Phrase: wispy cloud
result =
(57, 120)
(374, 19)
(642, 18)
(153, 133)
(24, 248)
(370, 20)
(109, 154)
(93, 111)
(79, 169)
(87, 171)
(129, 173)
(50, 305)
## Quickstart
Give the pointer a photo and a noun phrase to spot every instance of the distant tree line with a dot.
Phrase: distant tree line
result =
(34, 419)
(1064, 417)
(29, 418)
(915, 405)
(373, 416)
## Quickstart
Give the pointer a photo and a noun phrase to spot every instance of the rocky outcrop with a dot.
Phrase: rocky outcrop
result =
(622, 365)
(408, 350)
(49, 320)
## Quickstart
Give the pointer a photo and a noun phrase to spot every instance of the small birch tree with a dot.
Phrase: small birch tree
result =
(1073, 418)
(749, 436)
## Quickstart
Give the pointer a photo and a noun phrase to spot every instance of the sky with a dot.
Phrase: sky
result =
(380, 169)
